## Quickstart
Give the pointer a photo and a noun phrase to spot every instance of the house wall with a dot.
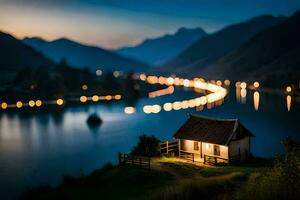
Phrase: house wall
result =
(242, 146)
(204, 148)
(208, 149)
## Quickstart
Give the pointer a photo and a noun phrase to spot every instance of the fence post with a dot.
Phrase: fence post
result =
(179, 148)
(140, 162)
(119, 156)
(149, 162)
(167, 147)
(193, 157)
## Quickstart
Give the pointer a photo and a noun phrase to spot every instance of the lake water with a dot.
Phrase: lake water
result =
(41, 147)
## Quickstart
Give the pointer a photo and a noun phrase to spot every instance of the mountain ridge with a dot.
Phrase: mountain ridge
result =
(209, 49)
(14, 54)
(168, 46)
(271, 55)
(82, 55)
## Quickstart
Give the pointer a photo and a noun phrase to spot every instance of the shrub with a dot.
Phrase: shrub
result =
(146, 146)
(281, 182)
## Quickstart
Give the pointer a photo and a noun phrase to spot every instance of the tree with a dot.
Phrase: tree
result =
(146, 146)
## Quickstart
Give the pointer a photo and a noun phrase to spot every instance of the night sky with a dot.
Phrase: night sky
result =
(115, 23)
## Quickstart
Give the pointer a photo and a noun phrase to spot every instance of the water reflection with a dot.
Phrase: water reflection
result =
(243, 95)
(288, 102)
(256, 100)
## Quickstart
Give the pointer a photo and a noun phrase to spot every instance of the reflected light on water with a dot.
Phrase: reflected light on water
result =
(256, 100)
(243, 95)
(129, 110)
(227, 82)
(288, 102)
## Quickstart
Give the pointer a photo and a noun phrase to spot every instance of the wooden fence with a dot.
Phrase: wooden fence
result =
(211, 159)
(187, 156)
(135, 161)
(169, 147)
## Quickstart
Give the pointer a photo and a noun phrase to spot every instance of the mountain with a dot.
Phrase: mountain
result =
(209, 49)
(14, 54)
(156, 51)
(80, 55)
(272, 56)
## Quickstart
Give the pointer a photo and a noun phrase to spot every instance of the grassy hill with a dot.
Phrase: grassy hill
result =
(169, 178)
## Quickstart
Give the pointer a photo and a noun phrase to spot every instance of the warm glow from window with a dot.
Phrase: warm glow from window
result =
(207, 146)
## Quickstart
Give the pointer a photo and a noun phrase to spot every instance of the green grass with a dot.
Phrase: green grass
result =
(169, 178)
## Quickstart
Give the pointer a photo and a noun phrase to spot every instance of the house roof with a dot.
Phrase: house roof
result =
(212, 130)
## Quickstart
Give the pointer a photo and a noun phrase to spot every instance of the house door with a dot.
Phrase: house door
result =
(197, 155)
(216, 150)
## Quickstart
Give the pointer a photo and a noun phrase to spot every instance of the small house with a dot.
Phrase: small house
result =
(212, 140)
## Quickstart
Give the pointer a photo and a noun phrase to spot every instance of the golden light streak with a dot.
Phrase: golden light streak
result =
(256, 100)
(288, 102)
